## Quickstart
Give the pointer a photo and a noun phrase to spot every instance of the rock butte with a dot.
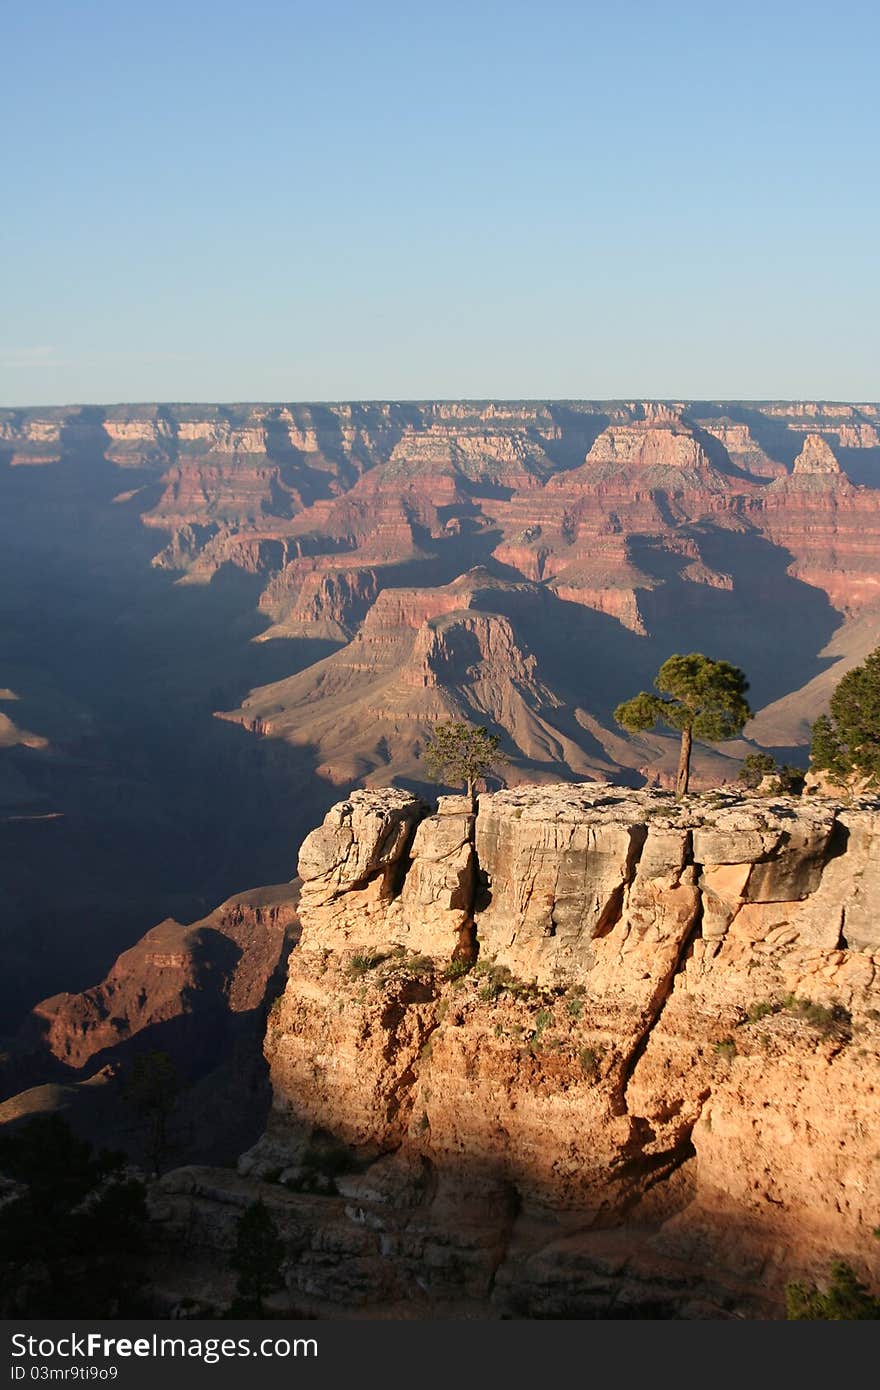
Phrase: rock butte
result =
(621, 1106)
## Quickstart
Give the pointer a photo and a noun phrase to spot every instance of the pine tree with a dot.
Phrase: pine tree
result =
(256, 1259)
(151, 1090)
(458, 752)
(706, 700)
(846, 742)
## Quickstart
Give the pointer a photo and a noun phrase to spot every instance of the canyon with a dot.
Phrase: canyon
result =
(220, 620)
(198, 994)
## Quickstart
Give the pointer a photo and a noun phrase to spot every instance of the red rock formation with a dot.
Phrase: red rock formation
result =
(198, 993)
(420, 655)
(224, 961)
(318, 597)
(830, 527)
(641, 513)
(742, 448)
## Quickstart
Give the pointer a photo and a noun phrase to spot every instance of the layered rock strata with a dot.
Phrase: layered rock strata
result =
(666, 522)
(656, 1089)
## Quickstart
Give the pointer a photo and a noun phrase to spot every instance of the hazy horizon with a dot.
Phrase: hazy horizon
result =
(630, 396)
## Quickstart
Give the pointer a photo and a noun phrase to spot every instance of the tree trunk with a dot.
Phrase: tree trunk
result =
(471, 791)
(684, 764)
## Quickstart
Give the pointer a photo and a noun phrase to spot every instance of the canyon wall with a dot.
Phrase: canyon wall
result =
(588, 1052)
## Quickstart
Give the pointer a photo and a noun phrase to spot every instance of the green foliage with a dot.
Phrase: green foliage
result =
(542, 1022)
(419, 965)
(760, 1010)
(499, 979)
(257, 1258)
(846, 1298)
(320, 1166)
(725, 1048)
(788, 780)
(457, 968)
(832, 1021)
(826, 753)
(457, 752)
(589, 1059)
(699, 697)
(755, 767)
(696, 693)
(846, 742)
(152, 1082)
(362, 962)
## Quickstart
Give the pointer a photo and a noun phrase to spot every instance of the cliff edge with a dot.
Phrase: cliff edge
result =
(588, 1052)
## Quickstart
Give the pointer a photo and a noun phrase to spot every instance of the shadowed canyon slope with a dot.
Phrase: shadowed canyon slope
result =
(331, 579)
(198, 993)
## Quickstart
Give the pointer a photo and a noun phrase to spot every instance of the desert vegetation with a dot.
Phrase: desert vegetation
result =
(846, 741)
(457, 752)
(700, 697)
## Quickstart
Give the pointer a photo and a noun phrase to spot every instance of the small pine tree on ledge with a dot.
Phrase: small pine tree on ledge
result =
(459, 752)
(699, 697)
(257, 1260)
(760, 768)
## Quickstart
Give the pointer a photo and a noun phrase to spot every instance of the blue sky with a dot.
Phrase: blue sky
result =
(288, 201)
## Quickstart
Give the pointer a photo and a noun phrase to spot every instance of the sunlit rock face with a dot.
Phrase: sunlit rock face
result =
(669, 1034)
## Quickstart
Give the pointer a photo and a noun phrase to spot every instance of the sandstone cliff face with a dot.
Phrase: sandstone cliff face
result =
(318, 597)
(834, 544)
(656, 1089)
(657, 442)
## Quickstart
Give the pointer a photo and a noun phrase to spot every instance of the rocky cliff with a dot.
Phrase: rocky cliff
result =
(586, 1052)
